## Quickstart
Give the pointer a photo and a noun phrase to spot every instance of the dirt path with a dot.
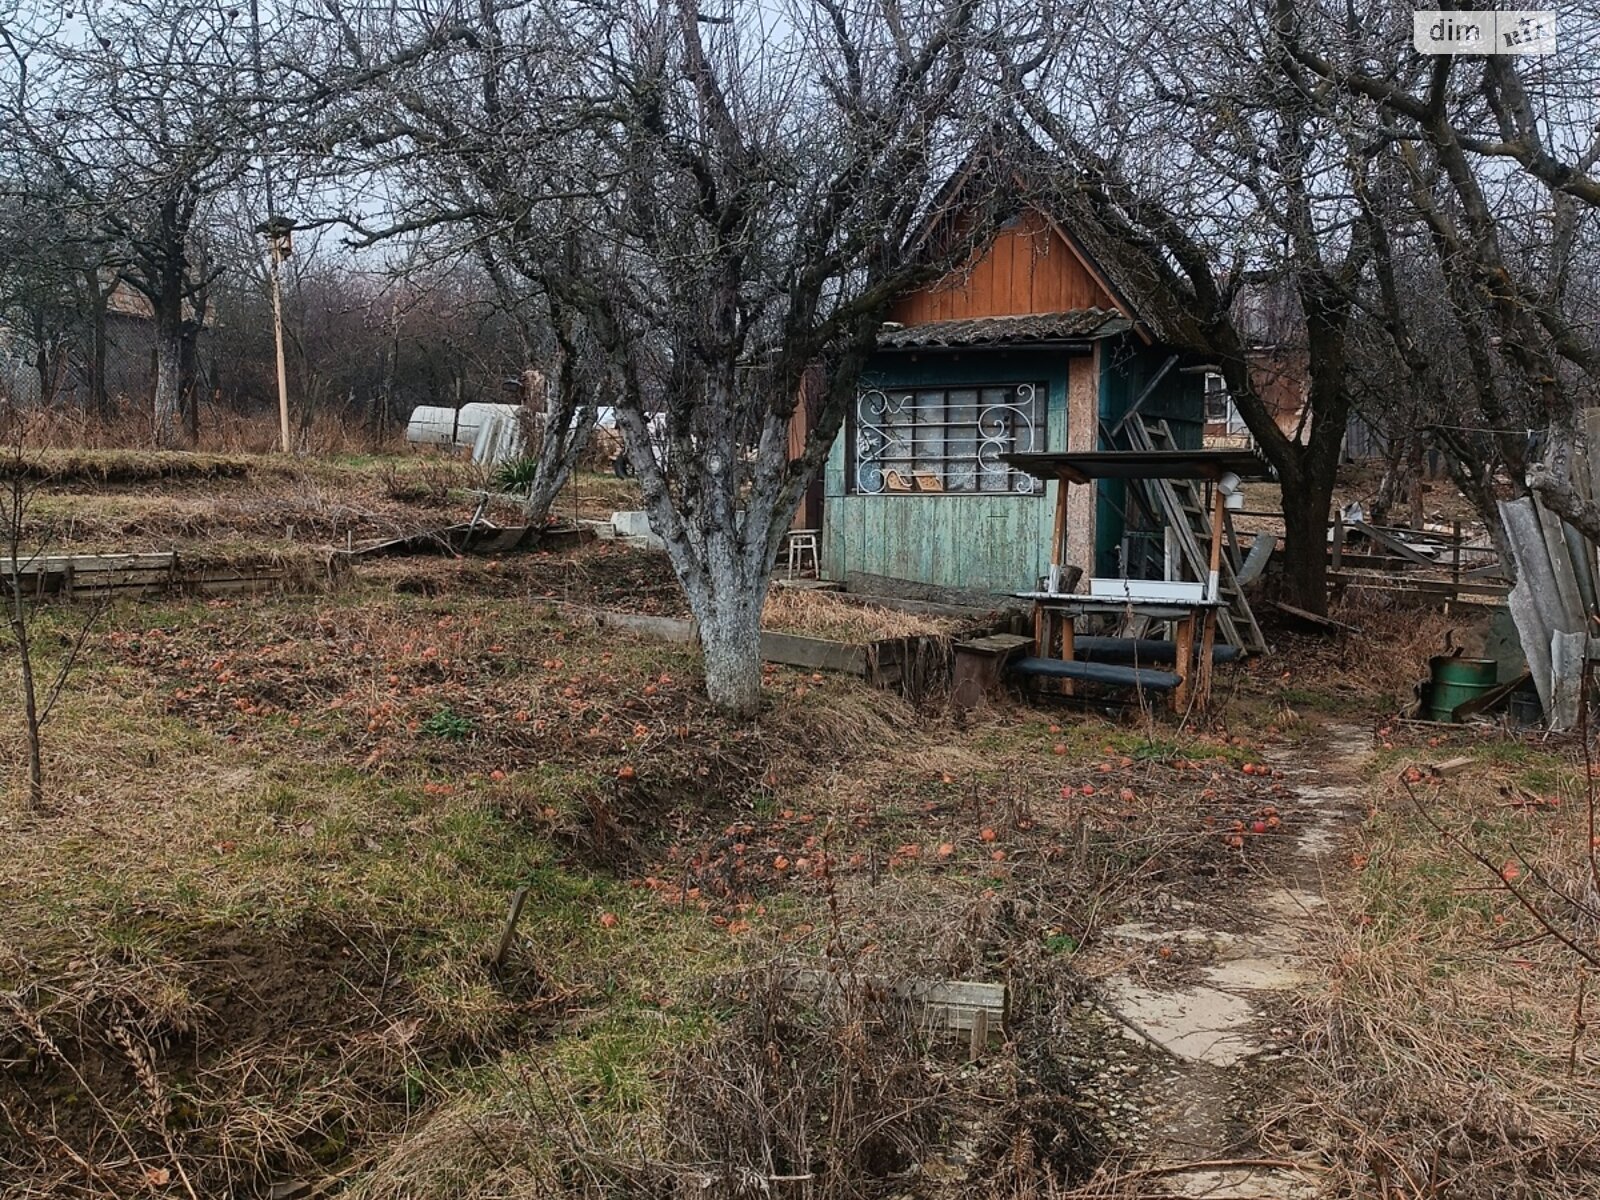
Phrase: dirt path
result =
(1200, 987)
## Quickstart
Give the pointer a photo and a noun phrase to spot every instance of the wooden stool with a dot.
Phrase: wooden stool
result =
(802, 542)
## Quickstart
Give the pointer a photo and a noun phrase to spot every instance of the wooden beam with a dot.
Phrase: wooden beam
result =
(1422, 587)
(1185, 662)
(820, 654)
(1206, 669)
(1058, 535)
(1218, 515)
(1393, 544)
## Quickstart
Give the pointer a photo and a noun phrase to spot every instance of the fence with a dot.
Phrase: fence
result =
(1433, 565)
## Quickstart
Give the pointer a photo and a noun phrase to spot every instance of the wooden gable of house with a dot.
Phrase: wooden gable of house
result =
(1029, 267)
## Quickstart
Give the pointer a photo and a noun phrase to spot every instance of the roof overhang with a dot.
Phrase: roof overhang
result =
(1078, 327)
(1083, 466)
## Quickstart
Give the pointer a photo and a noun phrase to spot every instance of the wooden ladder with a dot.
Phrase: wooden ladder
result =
(1183, 506)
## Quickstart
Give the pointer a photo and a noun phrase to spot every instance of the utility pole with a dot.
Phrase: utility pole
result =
(276, 228)
(281, 245)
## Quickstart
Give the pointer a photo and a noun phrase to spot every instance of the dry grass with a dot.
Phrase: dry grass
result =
(1375, 670)
(1444, 1054)
(843, 619)
(211, 508)
(282, 836)
(840, 1097)
(251, 934)
(222, 432)
(102, 467)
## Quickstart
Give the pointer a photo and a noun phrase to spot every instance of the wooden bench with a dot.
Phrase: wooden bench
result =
(1141, 650)
(1096, 672)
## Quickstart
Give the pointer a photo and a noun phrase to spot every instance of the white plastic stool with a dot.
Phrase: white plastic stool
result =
(802, 542)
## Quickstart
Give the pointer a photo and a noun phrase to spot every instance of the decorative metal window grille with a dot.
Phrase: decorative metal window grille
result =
(947, 440)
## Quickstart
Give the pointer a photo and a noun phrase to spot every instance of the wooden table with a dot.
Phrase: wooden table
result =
(1195, 633)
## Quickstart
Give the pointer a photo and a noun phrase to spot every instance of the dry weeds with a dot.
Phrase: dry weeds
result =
(843, 619)
(287, 831)
(222, 431)
(1447, 1054)
(1375, 669)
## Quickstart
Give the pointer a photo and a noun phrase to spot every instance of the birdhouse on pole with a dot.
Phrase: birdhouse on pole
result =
(279, 232)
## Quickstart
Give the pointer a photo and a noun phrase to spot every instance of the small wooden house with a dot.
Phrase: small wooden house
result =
(1040, 343)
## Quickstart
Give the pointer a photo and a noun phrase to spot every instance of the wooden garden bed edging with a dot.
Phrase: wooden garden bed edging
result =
(159, 573)
(475, 538)
(884, 662)
(942, 1005)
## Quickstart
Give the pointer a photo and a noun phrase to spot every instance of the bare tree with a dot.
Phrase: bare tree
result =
(1500, 153)
(469, 111)
(1218, 152)
(757, 199)
(146, 110)
(698, 210)
(20, 478)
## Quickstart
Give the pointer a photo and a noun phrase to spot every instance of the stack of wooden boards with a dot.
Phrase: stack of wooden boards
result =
(77, 576)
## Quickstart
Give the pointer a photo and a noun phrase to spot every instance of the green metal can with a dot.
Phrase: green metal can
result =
(1454, 681)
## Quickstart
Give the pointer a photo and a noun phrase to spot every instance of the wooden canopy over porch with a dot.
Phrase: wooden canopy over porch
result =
(1193, 615)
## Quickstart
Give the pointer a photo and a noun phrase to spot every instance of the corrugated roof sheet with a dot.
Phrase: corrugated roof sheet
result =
(1077, 325)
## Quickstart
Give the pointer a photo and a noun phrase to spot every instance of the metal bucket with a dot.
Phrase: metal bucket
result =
(1454, 681)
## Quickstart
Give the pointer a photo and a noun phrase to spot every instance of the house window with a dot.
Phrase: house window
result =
(947, 439)
(1216, 397)
(1222, 416)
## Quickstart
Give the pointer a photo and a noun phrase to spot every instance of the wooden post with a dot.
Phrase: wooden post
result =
(1057, 536)
(274, 242)
(1214, 580)
(1208, 645)
(509, 929)
(1068, 646)
(1184, 663)
(1338, 536)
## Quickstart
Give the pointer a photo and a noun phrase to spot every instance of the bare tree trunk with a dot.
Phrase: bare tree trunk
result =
(99, 400)
(30, 700)
(559, 449)
(721, 549)
(168, 412)
(189, 384)
(1305, 544)
(17, 615)
(726, 600)
(1396, 463)
(43, 368)
(570, 409)
(733, 673)
(1418, 517)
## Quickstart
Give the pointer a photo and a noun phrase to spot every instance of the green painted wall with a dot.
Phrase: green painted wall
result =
(995, 543)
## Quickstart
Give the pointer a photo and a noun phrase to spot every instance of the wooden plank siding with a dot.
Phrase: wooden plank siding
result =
(1000, 543)
(1028, 268)
(985, 542)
